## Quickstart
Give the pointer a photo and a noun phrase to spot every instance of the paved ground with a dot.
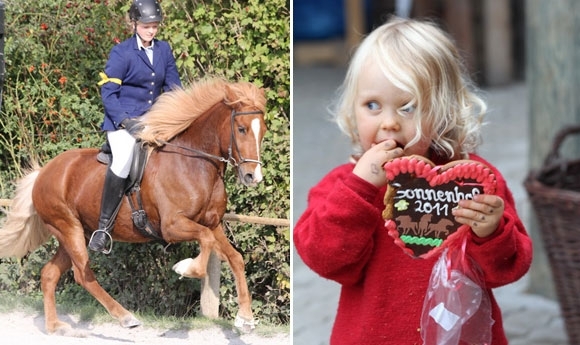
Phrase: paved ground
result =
(318, 146)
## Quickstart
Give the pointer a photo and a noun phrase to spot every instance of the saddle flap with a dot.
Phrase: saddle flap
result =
(138, 165)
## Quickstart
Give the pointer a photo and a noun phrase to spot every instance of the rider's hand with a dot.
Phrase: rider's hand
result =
(132, 125)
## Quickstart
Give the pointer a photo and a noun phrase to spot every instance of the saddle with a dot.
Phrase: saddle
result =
(133, 187)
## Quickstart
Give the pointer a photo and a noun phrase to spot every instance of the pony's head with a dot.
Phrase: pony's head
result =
(247, 129)
(241, 133)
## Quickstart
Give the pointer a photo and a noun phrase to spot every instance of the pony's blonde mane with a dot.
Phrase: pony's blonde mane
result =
(174, 111)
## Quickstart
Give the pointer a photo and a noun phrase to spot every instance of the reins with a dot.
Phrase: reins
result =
(233, 143)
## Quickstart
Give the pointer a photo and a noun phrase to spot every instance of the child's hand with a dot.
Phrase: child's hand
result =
(370, 165)
(482, 214)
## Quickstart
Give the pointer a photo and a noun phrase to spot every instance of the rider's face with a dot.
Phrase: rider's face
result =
(147, 32)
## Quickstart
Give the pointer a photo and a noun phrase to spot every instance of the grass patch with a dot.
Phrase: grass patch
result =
(95, 313)
(28, 304)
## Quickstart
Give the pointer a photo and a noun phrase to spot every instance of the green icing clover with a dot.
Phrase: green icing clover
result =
(402, 205)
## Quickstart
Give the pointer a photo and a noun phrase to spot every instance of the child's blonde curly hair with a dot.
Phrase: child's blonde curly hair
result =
(421, 59)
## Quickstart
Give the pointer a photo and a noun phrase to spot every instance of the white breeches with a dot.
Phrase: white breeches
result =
(122, 144)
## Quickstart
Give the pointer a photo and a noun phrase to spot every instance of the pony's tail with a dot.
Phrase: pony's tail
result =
(23, 230)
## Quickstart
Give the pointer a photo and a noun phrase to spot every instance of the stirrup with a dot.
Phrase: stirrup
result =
(104, 251)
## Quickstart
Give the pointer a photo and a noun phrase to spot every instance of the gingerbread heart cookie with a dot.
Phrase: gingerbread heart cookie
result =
(420, 196)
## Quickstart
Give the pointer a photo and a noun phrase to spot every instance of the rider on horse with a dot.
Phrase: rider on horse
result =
(137, 71)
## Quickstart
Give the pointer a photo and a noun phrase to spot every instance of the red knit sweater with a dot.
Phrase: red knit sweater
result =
(341, 236)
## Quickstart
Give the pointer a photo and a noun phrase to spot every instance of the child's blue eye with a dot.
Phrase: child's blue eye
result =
(408, 109)
(373, 105)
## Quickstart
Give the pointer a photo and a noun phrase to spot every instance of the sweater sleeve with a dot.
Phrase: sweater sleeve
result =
(334, 236)
(506, 255)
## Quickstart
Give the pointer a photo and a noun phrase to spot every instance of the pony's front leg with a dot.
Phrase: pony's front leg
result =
(245, 318)
(197, 268)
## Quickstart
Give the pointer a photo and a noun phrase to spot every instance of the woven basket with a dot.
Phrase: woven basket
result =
(554, 191)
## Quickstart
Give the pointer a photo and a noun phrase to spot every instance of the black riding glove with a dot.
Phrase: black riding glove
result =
(132, 125)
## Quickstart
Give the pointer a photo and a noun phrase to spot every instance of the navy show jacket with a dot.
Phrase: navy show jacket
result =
(141, 82)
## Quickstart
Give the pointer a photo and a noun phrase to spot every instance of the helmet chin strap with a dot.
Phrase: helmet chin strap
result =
(135, 32)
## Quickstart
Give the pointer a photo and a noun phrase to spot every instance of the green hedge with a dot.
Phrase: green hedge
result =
(54, 51)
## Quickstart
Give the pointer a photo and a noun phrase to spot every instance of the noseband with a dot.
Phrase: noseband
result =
(232, 145)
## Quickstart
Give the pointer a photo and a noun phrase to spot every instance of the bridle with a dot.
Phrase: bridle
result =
(231, 146)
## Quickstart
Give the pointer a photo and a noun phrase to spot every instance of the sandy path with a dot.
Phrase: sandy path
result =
(22, 328)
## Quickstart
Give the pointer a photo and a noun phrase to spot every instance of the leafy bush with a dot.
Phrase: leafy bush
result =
(54, 51)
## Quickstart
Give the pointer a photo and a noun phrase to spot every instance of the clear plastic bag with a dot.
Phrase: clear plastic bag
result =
(457, 308)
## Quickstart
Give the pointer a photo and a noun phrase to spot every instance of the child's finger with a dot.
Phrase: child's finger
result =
(491, 200)
(486, 204)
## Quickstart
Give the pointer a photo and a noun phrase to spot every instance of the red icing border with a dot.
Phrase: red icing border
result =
(435, 175)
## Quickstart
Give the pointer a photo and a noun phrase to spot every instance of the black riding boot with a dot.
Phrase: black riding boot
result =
(104, 155)
(113, 191)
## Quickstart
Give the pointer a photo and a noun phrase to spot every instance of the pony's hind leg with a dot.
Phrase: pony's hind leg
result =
(85, 277)
(72, 247)
(245, 318)
(50, 275)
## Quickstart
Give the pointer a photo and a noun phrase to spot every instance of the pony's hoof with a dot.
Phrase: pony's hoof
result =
(245, 325)
(60, 328)
(182, 267)
(130, 321)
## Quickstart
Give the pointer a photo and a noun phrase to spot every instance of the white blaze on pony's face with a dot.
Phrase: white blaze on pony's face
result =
(248, 134)
(248, 104)
(256, 126)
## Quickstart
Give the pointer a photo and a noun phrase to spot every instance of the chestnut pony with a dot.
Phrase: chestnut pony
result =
(194, 134)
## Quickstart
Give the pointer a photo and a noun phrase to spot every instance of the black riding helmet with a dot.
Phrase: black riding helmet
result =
(145, 11)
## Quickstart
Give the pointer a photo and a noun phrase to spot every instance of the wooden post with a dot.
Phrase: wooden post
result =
(553, 57)
(354, 23)
(458, 15)
(497, 38)
(210, 285)
(210, 288)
